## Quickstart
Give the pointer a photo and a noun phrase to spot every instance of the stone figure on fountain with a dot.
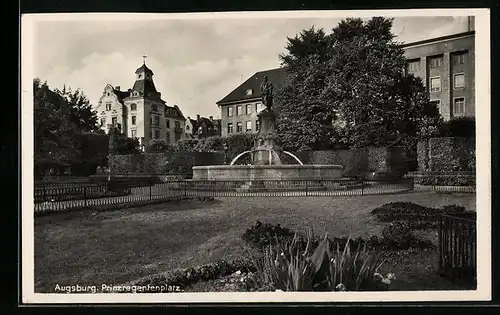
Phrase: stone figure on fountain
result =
(266, 92)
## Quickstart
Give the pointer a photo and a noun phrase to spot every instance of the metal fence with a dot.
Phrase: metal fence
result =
(73, 196)
(457, 246)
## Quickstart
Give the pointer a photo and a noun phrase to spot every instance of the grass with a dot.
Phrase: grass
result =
(116, 247)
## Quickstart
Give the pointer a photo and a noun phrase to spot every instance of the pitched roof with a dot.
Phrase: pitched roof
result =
(121, 95)
(437, 39)
(145, 88)
(276, 76)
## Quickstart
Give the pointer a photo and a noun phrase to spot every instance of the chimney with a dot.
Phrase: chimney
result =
(470, 23)
(117, 88)
(211, 118)
(198, 117)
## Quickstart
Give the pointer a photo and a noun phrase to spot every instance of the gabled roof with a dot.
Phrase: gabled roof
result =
(276, 76)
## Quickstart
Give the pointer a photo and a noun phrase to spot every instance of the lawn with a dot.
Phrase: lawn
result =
(119, 246)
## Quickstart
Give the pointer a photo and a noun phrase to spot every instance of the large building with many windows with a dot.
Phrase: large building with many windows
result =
(446, 67)
(140, 112)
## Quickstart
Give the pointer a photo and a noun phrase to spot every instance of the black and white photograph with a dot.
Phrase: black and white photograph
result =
(300, 156)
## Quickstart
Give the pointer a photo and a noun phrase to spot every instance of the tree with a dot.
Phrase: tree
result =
(358, 95)
(81, 112)
(54, 133)
(157, 146)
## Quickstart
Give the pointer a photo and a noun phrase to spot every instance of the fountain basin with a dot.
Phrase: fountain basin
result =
(267, 172)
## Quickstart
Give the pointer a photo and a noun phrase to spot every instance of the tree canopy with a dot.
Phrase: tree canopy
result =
(351, 90)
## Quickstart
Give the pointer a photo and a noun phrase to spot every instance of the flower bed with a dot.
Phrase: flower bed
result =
(414, 215)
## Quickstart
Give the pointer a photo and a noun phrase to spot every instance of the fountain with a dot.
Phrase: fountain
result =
(265, 155)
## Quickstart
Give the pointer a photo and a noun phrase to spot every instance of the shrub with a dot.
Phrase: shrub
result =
(459, 127)
(261, 235)
(399, 235)
(444, 180)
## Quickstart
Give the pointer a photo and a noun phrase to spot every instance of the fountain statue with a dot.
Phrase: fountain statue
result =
(266, 155)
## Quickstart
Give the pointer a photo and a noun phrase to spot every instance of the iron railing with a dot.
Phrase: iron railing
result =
(71, 196)
(457, 246)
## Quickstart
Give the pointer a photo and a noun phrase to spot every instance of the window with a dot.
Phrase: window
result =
(167, 123)
(257, 125)
(435, 62)
(114, 120)
(177, 125)
(249, 109)
(157, 120)
(249, 92)
(108, 106)
(133, 133)
(187, 127)
(239, 110)
(133, 120)
(437, 103)
(177, 136)
(259, 107)
(154, 108)
(230, 111)
(239, 127)
(459, 81)
(151, 134)
(458, 58)
(459, 105)
(103, 121)
(435, 84)
(230, 128)
(414, 65)
(133, 107)
(249, 126)
(157, 134)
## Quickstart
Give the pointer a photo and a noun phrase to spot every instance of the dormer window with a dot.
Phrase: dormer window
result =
(249, 92)
(140, 76)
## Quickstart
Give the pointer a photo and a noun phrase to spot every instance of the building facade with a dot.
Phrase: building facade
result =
(239, 108)
(446, 67)
(202, 127)
(140, 112)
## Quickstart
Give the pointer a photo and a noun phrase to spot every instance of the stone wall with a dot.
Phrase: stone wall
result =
(358, 161)
(163, 163)
(446, 155)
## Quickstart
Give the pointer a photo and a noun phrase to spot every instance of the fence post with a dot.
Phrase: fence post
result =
(44, 187)
(150, 190)
(362, 187)
(307, 188)
(185, 188)
(85, 196)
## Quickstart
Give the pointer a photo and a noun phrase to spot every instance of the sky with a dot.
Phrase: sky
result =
(196, 62)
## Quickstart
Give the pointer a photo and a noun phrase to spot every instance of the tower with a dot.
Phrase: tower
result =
(145, 108)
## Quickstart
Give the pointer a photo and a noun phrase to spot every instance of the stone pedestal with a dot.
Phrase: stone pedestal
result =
(266, 147)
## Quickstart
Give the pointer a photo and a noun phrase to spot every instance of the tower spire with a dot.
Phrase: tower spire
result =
(144, 59)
